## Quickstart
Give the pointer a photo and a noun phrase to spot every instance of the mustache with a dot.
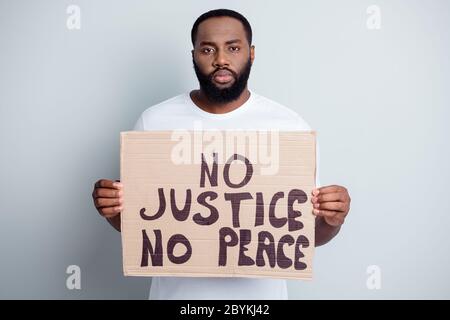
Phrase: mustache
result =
(211, 75)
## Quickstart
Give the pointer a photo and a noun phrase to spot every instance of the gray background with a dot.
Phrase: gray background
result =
(378, 98)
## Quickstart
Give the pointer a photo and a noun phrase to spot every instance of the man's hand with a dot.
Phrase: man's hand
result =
(107, 196)
(108, 200)
(332, 203)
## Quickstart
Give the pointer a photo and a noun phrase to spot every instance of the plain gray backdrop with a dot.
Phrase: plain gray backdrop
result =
(379, 99)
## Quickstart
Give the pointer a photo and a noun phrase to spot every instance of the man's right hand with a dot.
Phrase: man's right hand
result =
(108, 197)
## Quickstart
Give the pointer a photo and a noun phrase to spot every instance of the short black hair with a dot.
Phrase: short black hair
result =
(222, 13)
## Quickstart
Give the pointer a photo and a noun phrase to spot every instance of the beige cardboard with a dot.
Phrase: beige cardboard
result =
(147, 164)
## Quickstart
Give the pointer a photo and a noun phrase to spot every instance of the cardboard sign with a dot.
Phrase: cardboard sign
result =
(218, 203)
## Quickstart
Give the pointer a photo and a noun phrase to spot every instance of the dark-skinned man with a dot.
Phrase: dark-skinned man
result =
(222, 56)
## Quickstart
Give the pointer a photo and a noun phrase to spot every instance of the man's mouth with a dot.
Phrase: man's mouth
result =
(223, 76)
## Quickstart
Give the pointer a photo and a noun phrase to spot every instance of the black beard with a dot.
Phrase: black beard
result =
(225, 95)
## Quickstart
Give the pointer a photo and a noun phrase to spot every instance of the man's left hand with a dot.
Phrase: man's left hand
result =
(332, 203)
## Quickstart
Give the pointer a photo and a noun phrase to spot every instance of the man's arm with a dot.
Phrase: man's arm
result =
(108, 200)
(324, 232)
(115, 222)
(331, 205)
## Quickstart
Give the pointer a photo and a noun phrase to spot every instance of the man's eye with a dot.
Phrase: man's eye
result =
(234, 49)
(207, 50)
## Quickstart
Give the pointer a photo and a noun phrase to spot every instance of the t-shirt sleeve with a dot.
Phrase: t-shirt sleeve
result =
(139, 125)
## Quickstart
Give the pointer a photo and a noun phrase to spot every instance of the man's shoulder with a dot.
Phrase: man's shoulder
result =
(167, 106)
(277, 110)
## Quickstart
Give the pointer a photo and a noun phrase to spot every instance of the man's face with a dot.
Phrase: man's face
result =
(222, 58)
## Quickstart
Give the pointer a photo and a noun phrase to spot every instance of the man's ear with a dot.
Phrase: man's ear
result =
(192, 52)
(252, 54)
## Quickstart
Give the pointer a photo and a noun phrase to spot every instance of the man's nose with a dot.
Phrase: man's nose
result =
(220, 59)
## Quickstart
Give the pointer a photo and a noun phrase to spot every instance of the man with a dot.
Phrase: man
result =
(223, 55)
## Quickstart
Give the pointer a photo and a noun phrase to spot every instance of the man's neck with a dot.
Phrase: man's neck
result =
(202, 101)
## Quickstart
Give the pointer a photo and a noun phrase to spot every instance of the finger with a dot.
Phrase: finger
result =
(331, 189)
(333, 206)
(327, 197)
(104, 183)
(326, 213)
(108, 202)
(107, 193)
(110, 211)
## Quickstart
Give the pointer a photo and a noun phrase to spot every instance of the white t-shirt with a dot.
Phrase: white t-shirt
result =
(257, 113)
